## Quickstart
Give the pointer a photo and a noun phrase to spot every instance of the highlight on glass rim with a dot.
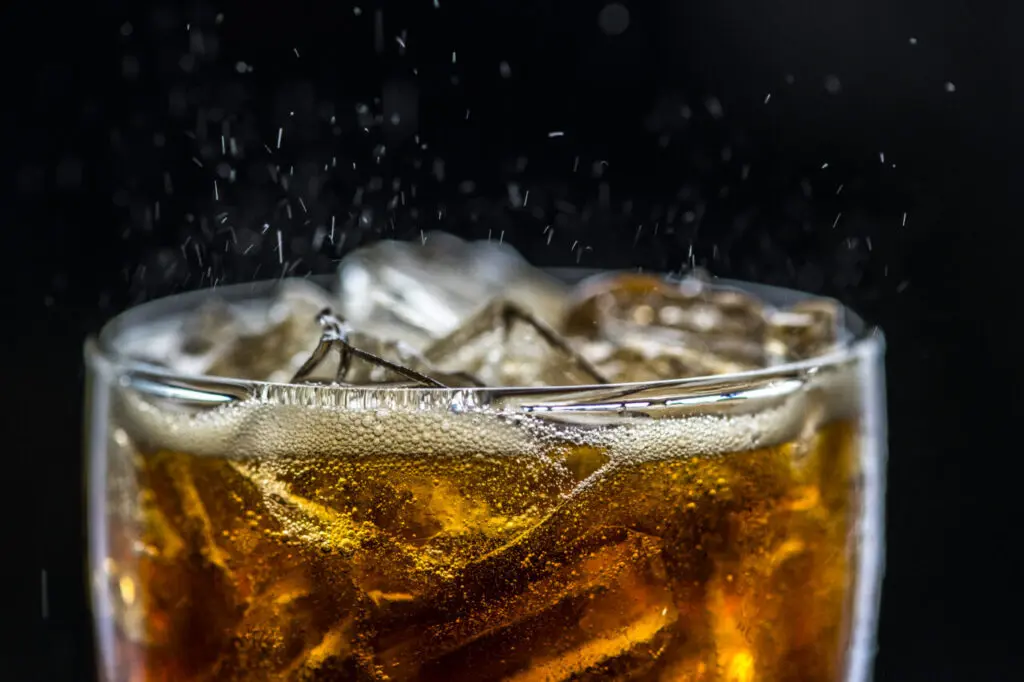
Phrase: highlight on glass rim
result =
(443, 463)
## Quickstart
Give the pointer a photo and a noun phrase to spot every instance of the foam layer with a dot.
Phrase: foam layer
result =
(311, 421)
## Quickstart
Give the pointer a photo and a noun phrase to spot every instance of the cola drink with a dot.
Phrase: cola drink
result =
(402, 477)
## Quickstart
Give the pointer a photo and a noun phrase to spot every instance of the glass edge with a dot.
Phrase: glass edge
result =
(870, 347)
(871, 531)
(864, 344)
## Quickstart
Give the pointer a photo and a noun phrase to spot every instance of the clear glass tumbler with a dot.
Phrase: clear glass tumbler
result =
(717, 528)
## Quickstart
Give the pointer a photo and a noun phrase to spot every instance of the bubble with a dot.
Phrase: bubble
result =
(613, 19)
(714, 107)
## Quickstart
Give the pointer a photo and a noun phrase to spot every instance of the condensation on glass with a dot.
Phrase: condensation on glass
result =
(724, 526)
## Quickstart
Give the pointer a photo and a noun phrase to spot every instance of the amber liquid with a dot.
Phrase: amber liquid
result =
(576, 566)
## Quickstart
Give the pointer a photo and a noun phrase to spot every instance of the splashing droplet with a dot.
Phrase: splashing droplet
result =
(613, 19)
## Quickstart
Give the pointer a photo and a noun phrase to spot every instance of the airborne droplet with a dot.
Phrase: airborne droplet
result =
(613, 19)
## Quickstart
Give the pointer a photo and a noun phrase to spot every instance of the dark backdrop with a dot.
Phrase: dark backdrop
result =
(856, 149)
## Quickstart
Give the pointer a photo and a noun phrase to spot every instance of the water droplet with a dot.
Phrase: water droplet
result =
(613, 19)
(714, 107)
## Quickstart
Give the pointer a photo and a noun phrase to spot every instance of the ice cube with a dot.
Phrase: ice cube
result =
(593, 603)
(274, 346)
(607, 302)
(419, 292)
(803, 330)
(213, 327)
(636, 327)
(398, 528)
(363, 372)
(337, 336)
(263, 342)
(293, 625)
(506, 345)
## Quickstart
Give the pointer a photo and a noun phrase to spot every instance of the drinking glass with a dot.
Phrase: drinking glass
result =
(727, 527)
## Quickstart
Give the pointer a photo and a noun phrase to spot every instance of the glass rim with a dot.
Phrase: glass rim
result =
(862, 341)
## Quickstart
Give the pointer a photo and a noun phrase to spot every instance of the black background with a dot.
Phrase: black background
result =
(105, 98)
